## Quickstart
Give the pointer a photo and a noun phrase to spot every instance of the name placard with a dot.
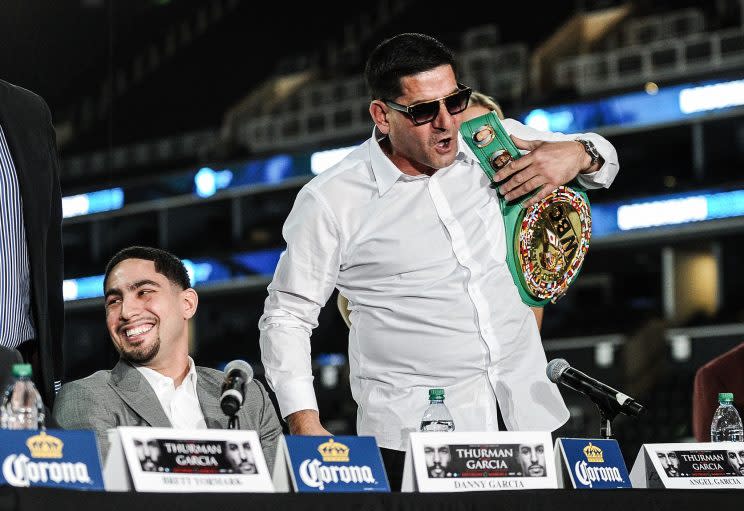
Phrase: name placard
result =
(689, 465)
(472, 461)
(178, 460)
(53, 458)
(317, 464)
(591, 464)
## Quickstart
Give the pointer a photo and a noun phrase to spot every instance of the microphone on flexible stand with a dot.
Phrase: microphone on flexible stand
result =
(610, 402)
(238, 374)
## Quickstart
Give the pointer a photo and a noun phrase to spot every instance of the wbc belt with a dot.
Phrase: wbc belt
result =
(547, 242)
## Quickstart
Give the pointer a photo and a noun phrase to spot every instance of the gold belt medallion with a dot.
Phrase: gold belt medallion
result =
(553, 240)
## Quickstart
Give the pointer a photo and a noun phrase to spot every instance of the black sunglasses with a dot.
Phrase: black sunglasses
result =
(427, 111)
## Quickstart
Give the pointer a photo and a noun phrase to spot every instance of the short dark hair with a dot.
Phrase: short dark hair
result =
(166, 264)
(403, 55)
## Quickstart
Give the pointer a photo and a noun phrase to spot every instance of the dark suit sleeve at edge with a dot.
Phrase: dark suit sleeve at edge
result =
(54, 258)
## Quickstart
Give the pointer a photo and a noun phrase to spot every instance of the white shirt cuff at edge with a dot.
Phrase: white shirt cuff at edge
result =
(295, 396)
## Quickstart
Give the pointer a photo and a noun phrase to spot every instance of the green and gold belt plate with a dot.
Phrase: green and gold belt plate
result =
(547, 242)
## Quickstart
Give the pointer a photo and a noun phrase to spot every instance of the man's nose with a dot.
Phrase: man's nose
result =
(533, 456)
(129, 308)
(444, 120)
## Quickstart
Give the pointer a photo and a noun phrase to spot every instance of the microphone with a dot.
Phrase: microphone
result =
(238, 374)
(560, 371)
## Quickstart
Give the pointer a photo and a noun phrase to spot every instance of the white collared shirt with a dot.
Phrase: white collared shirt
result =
(422, 261)
(181, 405)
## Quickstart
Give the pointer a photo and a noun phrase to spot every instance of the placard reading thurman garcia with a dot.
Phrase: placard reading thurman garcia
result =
(465, 461)
(702, 463)
(690, 465)
(195, 456)
(481, 460)
(163, 459)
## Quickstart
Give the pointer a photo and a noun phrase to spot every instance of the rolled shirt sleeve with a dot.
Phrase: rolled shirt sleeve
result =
(601, 178)
(303, 281)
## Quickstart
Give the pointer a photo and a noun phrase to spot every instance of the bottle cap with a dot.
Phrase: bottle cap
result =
(21, 370)
(436, 394)
(725, 397)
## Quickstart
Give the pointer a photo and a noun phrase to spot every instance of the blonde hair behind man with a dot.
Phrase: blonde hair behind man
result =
(480, 99)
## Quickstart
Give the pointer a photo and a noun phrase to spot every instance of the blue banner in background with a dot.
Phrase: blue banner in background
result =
(54, 458)
(661, 105)
(595, 464)
(336, 464)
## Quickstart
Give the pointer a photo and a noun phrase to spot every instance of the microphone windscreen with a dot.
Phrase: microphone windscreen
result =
(555, 369)
(242, 366)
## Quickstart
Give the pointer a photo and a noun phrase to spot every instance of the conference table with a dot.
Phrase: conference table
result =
(28, 499)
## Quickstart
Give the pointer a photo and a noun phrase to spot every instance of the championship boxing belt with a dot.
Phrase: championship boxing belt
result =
(545, 243)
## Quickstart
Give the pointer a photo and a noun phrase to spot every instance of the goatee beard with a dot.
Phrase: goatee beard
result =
(141, 356)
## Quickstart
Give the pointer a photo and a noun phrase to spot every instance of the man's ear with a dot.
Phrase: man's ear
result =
(378, 111)
(189, 303)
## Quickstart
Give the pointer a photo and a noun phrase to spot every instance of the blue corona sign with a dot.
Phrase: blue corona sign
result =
(336, 464)
(594, 464)
(52, 458)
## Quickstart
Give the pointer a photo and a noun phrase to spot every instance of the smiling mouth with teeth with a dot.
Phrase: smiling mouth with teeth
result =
(138, 330)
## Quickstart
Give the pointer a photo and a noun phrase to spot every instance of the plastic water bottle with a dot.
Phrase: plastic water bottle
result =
(437, 417)
(22, 407)
(726, 425)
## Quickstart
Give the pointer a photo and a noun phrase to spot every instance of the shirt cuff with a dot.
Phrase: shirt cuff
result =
(602, 177)
(295, 396)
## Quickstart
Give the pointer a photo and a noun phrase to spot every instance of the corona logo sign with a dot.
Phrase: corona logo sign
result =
(593, 454)
(327, 464)
(333, 451)
(45, 446)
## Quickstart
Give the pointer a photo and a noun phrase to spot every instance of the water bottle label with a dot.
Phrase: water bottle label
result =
(22, 407)
(437, 425)
(726, 425)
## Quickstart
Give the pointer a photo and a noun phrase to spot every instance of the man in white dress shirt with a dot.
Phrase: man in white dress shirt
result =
(149, 302)
(407, 228)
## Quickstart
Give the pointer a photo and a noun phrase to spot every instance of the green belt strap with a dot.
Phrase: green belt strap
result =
(488, 140)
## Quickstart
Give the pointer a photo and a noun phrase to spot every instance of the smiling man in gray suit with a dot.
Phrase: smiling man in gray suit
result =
(149, 303)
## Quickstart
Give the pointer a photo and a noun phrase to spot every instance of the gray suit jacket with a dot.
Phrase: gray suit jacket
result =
(123, 397)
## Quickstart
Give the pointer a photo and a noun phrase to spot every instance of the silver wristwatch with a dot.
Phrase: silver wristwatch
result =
(590, 150)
